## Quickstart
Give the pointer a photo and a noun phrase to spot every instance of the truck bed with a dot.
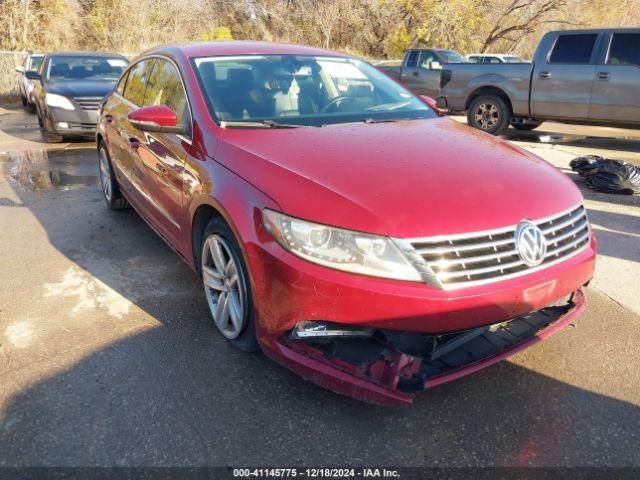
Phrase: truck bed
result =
(462, 79)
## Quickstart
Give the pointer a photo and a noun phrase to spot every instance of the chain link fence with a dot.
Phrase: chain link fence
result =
(8, 75)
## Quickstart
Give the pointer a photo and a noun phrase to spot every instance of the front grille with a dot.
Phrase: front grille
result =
(483, 257)
(88, 103)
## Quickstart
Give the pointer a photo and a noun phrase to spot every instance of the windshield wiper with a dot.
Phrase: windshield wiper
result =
(261, 124)
(386, 120)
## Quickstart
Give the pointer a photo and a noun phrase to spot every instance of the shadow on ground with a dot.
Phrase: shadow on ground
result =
(178, 395)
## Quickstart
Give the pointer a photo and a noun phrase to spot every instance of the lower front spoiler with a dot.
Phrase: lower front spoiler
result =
(384, 381)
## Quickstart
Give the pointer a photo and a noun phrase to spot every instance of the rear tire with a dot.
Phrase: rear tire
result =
(226, 279)
(524, 127)
(489, 113)
(25, 104)
(110, 189)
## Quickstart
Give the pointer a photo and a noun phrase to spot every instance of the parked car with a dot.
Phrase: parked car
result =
(30, 63)
(577, 76)
(349, 234)
(493, 58)
(420, 69)
(69, 88)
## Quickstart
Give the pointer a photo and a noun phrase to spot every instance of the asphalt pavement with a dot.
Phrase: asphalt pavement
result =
(108, 356)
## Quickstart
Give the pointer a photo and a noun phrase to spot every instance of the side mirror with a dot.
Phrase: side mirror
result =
(432, 103)
(435, 65)
(30, 75)
(20, 69)
(156, 118)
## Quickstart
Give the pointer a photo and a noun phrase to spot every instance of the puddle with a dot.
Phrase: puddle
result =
(60, 169)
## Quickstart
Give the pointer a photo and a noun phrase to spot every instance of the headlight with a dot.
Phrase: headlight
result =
(340, 249)
(59, 101)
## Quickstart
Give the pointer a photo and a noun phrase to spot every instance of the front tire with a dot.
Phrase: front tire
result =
(110, 189)
(489, 113)
(49, 137)
(226, 286)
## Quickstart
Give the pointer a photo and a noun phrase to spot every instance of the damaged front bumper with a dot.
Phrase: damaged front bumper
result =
(389, 366)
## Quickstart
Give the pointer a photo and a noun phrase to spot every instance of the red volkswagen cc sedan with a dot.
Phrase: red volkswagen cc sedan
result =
(338, 221)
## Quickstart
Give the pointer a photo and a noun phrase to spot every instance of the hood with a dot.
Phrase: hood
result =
(81, 88)
(403, 179)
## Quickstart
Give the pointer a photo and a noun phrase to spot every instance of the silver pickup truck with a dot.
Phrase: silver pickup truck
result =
(421, 69)
(577, 76)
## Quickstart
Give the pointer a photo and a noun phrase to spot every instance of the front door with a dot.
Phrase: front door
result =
(163, 155)
(418, 75)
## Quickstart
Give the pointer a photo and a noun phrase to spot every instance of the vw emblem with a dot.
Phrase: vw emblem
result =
(530, 243)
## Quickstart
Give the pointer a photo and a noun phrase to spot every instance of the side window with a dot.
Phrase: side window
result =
(573, 48)
(425, 60)
(474, 59)
(493, 60)
(121, 83)
(412, 61)
(137, 81)
(165, 88)
(625, 49)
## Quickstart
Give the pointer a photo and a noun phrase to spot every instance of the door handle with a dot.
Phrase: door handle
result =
(545, 75)
(134, 142)
(603, 76)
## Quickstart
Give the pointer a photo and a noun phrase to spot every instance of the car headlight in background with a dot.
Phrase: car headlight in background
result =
(341, 249)
(59, 101)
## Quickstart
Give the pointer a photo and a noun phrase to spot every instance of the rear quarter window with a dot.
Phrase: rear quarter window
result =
(574, 49)
(625, 49)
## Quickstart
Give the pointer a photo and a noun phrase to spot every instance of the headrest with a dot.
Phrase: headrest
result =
(240, 78)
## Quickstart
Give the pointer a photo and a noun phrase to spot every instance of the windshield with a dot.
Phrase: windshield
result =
(303, 90)
(34, 63)
(88, 68)
(451, 56)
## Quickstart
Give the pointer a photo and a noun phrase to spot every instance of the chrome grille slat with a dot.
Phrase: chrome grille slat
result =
(477, 271)
(480, 258)
(469, 259)
(568, 245)
(463, 248)
(561, 225)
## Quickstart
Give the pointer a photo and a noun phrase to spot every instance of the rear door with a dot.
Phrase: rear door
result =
(561, 83)
(615, 95)
(163, 155)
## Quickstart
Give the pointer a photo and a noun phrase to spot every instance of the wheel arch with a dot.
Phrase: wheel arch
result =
(488, 90)
(203, 214)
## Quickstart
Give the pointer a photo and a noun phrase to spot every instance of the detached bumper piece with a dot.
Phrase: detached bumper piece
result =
(407, 362)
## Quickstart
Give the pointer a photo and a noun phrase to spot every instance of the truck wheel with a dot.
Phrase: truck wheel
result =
(489, 113)
(526, 126)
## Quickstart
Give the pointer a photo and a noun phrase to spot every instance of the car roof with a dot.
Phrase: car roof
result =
(83, 53)
(599, 30)
(205, 49)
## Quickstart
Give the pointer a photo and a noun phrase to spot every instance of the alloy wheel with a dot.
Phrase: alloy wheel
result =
(224, 286)
(487, 115)
(105, 175)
